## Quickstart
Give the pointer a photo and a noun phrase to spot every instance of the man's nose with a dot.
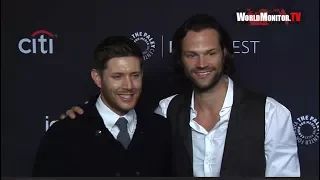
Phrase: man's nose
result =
(128, 83)
(201, 62)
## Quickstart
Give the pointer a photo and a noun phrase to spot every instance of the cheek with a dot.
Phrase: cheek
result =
(220, 63)
(217, 61)
(137, 83)
(188, 64)
(111, 84)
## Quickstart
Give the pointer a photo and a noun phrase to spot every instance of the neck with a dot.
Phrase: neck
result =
(213, 98)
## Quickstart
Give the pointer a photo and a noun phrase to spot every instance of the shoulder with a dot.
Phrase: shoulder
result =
(163, 106)
(251, 95)
(153, 122)
(277, 116)
(68, 126)
(273, 106)
(152, 119)
(279, 127)
(64, 127)
(156, 128)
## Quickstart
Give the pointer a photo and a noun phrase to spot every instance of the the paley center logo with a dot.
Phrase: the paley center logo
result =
(307, 129)
(40, 42)
(146, 42)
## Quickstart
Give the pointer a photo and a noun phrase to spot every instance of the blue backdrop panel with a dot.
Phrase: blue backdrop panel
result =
(47, 48)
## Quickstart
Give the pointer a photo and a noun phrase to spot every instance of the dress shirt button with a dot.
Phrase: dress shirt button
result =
(118, 174)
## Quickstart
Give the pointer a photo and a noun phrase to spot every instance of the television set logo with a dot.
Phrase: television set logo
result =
(264, 17)
(145, 42)
(307, 129)
(41, 41)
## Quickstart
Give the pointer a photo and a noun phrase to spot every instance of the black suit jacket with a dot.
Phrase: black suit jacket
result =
(84, 147)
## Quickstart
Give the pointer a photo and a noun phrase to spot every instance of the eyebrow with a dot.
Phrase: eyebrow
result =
(120, 73)
(137, 72)
(213, 49)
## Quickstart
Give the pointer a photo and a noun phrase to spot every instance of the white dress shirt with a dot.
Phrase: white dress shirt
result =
(110, 118)
(280, 140)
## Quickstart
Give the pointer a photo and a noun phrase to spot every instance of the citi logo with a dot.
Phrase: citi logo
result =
(41, 41)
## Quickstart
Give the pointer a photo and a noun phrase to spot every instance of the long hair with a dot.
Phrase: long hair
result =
(197, 23)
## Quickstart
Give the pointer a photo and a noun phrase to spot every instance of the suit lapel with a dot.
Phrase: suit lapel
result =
(230, 162)
(98, 127)
(185, 126)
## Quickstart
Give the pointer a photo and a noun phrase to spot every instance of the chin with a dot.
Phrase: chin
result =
(202, 84)
(126, 106)
(202, 87)
(205, 86)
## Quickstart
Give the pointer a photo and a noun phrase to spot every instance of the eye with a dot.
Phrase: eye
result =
(116, 77)
(136, 75)
(212, 53)
(190, 55)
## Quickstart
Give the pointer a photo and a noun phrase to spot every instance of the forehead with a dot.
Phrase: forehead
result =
(207, 38)
(124, 64)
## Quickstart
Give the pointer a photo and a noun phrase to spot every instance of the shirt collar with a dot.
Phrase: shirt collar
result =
(228, 101)
(110, 118)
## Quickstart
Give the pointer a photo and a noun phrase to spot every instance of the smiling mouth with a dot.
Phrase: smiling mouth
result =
(126, 97)
(202, 75)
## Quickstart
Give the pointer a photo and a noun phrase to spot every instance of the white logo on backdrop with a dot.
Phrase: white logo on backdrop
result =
(146, 43)
(41, 41)
(307, 129)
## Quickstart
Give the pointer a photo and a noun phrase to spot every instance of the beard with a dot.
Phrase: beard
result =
(203, 88)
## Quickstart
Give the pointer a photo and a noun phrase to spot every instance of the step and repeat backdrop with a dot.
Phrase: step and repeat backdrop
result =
(47, 51)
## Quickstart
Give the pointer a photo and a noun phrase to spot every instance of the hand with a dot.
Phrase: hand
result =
(71, 113)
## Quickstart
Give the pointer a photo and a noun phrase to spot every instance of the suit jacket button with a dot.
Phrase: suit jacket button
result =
(98, 133)
(117, 174)
(137, 173)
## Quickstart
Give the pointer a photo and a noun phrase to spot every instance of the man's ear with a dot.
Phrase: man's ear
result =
(96, 77)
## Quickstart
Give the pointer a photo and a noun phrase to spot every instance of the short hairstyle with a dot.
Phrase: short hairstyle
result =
(198, 23)
(115, 46)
